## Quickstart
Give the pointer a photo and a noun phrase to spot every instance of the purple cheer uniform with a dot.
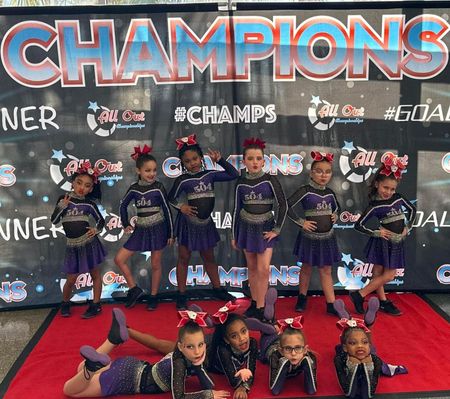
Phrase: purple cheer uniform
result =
(83, 253)
(391, 215)
(318, 248)
(254, 202)
(153, 226)
(199, 233)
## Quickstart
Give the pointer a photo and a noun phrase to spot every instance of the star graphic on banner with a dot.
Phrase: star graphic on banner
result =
(347, 258)
(102, 211)
(93, 106)
(147, 254)
(58, 154)
(315, 100)
(348, 145)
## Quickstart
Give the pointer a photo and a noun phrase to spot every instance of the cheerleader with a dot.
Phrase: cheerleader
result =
(153, 228)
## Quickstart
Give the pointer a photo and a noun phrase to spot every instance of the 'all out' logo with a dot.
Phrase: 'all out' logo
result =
(66, 165)
(113, 230)
(104, 121)
(356, 163)
(323, 115)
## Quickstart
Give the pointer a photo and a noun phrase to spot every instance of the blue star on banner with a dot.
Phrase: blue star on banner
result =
(346, 258)
(315, 100)
(93, 106)
(58, 154)
(348, 145)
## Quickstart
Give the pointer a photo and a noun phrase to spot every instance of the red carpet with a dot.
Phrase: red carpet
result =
(419, 340)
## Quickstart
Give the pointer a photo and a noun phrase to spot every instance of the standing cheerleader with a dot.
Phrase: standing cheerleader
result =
(254, 229)
(153, 228)
(289, 356)
(82, 221)
(385, 248)
(316, 243)
(97, 376)
(195, 229)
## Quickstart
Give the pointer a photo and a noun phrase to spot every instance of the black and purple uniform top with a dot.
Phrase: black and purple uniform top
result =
(83, 252)
(79, 214)
(393, 214)
(319, 203)
(256, 198)
(199, 188)
(229, 361)
(199, 232)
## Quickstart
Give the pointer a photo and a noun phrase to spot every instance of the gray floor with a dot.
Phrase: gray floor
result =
(18, 327)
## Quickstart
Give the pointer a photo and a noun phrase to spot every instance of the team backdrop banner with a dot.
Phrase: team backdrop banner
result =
(356, 83)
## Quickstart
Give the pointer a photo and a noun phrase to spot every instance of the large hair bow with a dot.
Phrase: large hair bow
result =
(86, 168)
(322, 156)
(392, 164)
(221, 315)
(137, 151)
(189, 315)
(296, 323)
(187, 140)
(254, 141)
(345, 324)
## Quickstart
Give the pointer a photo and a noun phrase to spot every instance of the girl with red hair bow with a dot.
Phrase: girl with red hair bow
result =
(316, 243)
(385, 248)
(82, 222)
(289, 356)
(153, 229)
(98, 376)
(255, 230)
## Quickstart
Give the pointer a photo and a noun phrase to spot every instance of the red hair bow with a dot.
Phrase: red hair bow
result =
(221, 315)
(254, 141)
(189, 315)
(322, 156)
(137, 151)
(295, 323)
(345, 324)
(187, 140)
(393, 164)
(86, 168)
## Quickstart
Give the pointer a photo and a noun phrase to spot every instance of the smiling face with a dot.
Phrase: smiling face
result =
(147, 171)
(193, 347)
(357, 345)
(292, 347)
(192, 161)
(83, 185)
(254, 160)
(386, 188)
(237, 336)
(321, 172)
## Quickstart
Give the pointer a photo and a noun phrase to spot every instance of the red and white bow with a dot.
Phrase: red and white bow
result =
(344, 324)
(392, 164)
(189, 315)
(254, 141)
(86, 168)
(295, 323)
(137, 151)
(221, 315)
(187, 140)
(322, 156)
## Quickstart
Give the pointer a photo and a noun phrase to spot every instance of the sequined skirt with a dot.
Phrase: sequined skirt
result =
(83, 254)
(250, 231)
(317, 249)
(150, 234)
(386, 253)
(196, 234)
(123, 377)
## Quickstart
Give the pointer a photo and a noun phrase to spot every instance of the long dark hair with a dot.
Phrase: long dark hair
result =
(96, 193)
(220, 332)
(378, 178)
